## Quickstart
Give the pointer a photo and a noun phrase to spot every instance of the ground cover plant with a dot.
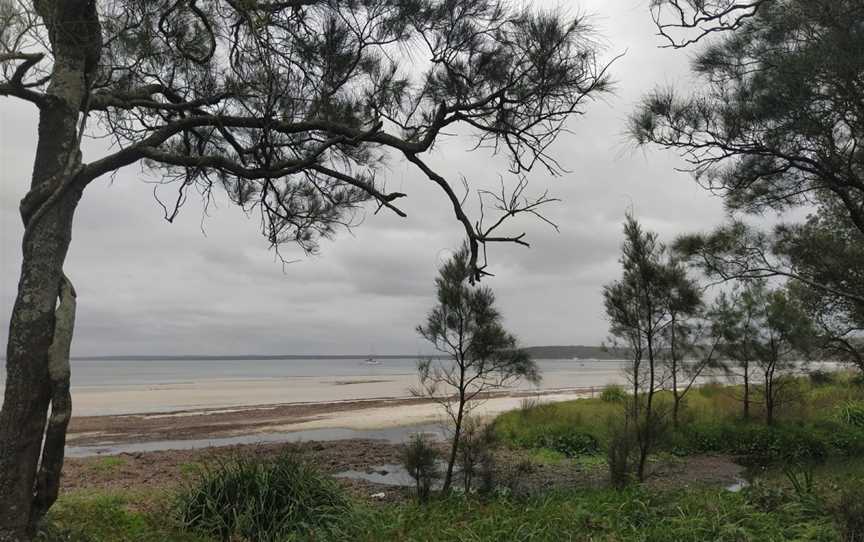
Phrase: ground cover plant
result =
(262, 500)
(770, 512)
(824, 422)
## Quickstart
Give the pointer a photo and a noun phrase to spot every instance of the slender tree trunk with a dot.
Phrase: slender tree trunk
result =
(37, 351)
(747, 392)
(454, 448)
(647, 428)
(676, 399)
(769, 396)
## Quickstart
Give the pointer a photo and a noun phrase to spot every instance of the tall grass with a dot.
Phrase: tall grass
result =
(634, 514)
(261, 500)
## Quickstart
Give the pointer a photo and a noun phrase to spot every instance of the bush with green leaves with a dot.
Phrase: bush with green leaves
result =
(620, 452)
(422, 461)
(821, 377)
(243, 498)
(613, 393)
(569, 442)
(849, 511)
(756, 443)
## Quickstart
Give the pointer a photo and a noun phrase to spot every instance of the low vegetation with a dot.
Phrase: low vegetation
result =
(768, 511)
(261, 500)
(824, 421)
(818, 497)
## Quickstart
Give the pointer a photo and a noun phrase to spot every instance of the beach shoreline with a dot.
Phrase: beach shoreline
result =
(266, 419)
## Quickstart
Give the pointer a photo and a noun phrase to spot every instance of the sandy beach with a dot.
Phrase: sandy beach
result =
(104, 434)
(131, 406)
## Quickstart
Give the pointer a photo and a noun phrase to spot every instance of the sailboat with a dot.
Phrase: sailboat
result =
(371, 359)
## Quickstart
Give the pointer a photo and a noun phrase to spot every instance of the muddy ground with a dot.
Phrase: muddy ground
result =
(171, 469)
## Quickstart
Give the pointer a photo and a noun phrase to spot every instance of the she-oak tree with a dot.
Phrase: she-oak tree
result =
(290, 106)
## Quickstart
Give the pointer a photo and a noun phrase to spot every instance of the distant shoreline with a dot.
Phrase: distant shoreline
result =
(573, 352)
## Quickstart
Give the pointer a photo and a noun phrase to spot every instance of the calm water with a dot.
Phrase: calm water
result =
(111, 373)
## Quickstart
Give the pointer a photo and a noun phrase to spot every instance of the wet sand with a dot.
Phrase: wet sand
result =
(216, 423)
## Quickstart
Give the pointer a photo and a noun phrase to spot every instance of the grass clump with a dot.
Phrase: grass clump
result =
(613, 393)
(262, 500)
(852, 413)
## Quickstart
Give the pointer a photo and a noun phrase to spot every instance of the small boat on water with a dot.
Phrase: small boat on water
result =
(372, 361)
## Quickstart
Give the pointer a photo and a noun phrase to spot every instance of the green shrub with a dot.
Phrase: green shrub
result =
(421, 460)
(756, 443)
(820, 377)
(620, 452)
(569, 442)
(852, 413)
(261, 500)
(613, 393)
(849, 512)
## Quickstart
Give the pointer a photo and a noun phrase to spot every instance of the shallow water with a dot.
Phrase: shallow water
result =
(739, 485)
(393, 435)
(388, 475)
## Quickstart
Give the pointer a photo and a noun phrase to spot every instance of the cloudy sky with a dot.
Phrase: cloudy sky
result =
(208, 283)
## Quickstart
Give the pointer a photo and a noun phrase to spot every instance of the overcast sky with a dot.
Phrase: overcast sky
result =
(149, 287)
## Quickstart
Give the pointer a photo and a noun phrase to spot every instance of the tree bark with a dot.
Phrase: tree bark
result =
(454, 448)
(48, 479)
(28, 382)
(34, 336)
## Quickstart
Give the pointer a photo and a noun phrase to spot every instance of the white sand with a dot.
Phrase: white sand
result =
(227, 394)
(402, 415)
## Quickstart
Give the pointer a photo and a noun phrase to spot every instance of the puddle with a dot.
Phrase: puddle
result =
(391, 434)
(389, 475)
(738, 485)
(393, 475)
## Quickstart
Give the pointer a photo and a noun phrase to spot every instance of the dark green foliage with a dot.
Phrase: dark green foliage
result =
(421, 459)
(778, 125)
(481, 355)
(571, 443)
(765, 444)
(620, 451)
(261, 500)
(819, 377)
(765, 131)
(849, 511)
(475, 456)
(649, 309)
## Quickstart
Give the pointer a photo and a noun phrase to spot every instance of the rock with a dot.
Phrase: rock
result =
(378, 496)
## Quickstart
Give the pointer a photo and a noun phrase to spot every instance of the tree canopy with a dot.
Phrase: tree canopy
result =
(294, 108)
(776, 123)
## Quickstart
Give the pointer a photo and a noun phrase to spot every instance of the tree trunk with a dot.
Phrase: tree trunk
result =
(746, 392)
(648, 428)
(36, 375)
(29, 388)
(676, 399)
(454, 448)
(769, 396)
